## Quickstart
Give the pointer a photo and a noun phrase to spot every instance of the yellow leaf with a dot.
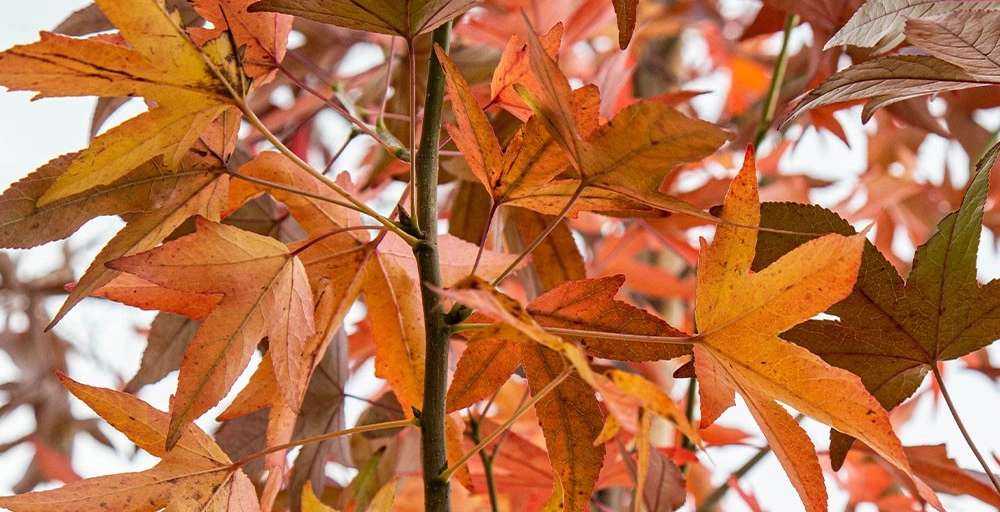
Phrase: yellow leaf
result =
(310, 503)
(739, 315)
(161, 65)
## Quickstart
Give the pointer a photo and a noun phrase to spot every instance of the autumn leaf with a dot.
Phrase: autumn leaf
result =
(161, 64)
(259, 37)
(196, 473)
(413, 18)
(515, 68)
(226, 260)
(169, 336)
(739, 315)
(590, 305)
(630, 154)
(571, 419)
(625, 12)
(879, 23)
(892, 333)
(965, 38)
(886, 80)
(155, 200)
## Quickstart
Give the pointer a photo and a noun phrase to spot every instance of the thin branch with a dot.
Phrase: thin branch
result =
(433, 416)
(510, 421)
(360, 205)
(708, 505)
(771, 100)
(410, 422)
(961, 427)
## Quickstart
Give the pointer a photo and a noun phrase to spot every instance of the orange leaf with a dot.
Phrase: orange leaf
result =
(393, 299)
(161, 64)
(197, 474)
(266, 293)
(571, 419)
(739, 315)
(590, 305)
(136, 291)
(514, 68)
(485, 365)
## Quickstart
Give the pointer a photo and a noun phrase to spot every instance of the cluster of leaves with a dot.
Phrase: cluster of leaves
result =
(558, 363)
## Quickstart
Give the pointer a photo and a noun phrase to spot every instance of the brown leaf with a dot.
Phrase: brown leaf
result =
(409, 20)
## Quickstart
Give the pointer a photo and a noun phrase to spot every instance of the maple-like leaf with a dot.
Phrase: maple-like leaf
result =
(739, 315)
(155, 199)
(407, 19)
(515, 68)
(891, 333)
(160, 64)
(196, 474)
(265, 293)
(879, 23)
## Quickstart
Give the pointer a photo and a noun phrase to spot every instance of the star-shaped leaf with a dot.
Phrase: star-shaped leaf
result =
(265, 294)
(739, 315)
(890, 333)
(159, 63)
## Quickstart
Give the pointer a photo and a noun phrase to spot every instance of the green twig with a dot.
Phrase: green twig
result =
(771, 100)
(433, 416)
(487, 459)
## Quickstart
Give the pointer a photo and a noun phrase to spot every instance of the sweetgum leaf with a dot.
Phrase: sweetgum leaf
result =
(889, 332)
(161, 64)
(265, 294)
(739, 315)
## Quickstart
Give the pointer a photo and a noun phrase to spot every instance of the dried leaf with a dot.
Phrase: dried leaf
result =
(879, 23)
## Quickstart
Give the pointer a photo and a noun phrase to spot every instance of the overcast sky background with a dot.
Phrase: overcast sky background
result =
(31, 133)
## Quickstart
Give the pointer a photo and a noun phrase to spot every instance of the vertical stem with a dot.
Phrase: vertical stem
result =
(771, 100)
(432, 418)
